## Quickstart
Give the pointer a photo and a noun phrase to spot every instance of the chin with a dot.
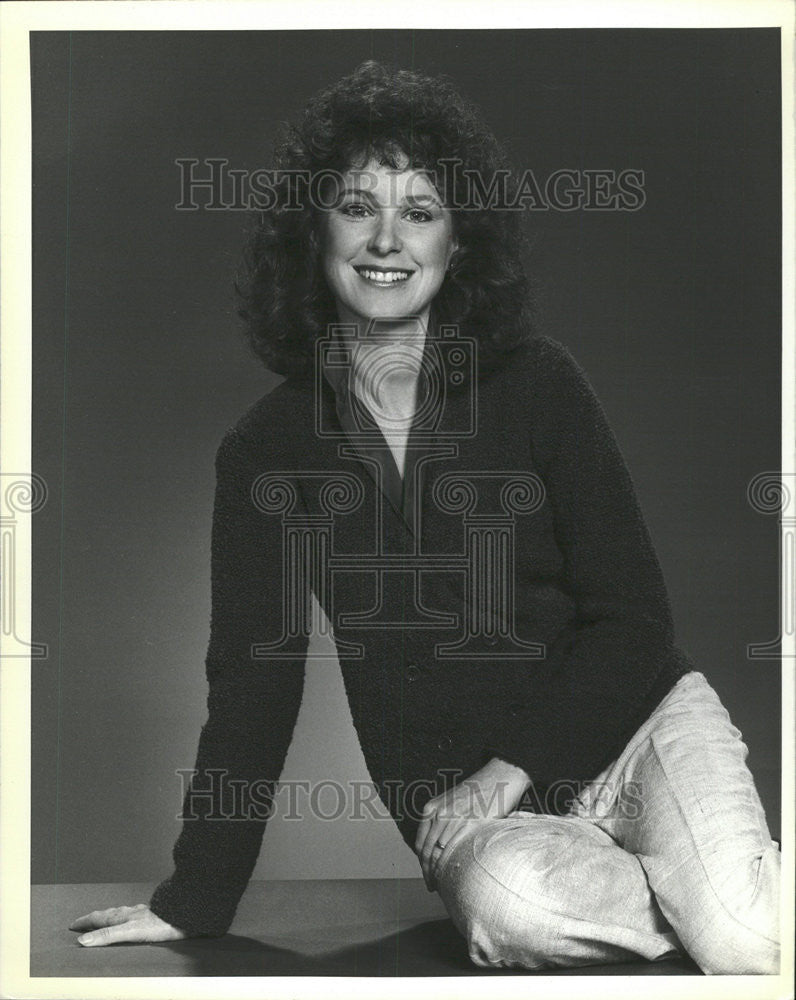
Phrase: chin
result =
(397, 305)
(400, 319)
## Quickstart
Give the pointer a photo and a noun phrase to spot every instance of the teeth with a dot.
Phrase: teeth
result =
(384, 277)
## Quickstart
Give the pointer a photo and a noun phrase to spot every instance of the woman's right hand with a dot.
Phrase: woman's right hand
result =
(134, 924)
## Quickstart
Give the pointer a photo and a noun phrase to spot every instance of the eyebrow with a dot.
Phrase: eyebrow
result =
(426, 198)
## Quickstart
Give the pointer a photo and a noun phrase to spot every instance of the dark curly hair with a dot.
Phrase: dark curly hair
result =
(391, 116)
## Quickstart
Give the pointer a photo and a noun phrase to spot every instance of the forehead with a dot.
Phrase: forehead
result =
(401, 181)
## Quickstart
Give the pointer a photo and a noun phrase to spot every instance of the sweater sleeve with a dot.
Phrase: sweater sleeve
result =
(252, 708)
(589, 693)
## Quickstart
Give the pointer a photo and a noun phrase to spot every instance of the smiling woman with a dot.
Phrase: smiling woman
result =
(387, 245)
(411, 129)
(446, 483)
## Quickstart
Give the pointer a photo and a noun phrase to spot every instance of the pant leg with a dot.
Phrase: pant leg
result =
(536, 892)
(682, 800)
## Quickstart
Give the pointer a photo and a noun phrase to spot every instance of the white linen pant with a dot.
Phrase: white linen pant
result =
(667, 851)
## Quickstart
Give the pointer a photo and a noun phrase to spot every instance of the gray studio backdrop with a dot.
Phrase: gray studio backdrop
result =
(139, 368)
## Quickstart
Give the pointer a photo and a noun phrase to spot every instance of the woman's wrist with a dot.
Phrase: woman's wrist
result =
(512, 779)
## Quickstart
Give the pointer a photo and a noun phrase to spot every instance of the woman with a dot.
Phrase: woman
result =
(447, 484)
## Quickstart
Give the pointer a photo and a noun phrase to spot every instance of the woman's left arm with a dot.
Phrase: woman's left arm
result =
(616, 660)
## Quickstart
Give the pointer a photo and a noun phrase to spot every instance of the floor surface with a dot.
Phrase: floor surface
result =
(336, 927)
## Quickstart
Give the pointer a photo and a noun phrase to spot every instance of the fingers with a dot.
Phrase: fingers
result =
(137, 924)
(104, 918)
(422, 842)
(437, 845)
(445, 821)
(130, 931)
(426, 822)
(430, 850)
(423, 827)
(424, 852)
(455, 832)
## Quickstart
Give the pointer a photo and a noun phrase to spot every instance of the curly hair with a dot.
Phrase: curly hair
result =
(395, 117)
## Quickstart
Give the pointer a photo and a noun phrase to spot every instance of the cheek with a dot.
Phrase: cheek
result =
(439, 252)
(341, 241)
(333, 256)
(329, 241)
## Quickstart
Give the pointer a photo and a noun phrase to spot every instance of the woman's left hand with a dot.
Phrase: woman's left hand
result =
(492, 792)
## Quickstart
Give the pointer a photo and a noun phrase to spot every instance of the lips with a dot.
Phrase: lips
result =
(383, 277)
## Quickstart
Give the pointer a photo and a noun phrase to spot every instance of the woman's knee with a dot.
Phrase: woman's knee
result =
(504, 887)
(736, 932)
(730, 948)
(473, 885)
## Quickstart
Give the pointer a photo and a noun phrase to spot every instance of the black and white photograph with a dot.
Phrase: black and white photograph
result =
(398, 594)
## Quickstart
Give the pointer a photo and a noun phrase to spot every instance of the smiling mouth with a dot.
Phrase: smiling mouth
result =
(382, 276)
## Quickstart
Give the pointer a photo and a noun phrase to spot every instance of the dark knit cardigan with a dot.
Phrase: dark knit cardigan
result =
(587, 587)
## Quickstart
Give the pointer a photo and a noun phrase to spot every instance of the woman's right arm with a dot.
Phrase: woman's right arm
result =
(252, 710)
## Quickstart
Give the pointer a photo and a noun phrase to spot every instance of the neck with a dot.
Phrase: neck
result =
(386, 362)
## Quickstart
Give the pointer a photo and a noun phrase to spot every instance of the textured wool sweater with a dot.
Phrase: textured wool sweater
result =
(522, 614)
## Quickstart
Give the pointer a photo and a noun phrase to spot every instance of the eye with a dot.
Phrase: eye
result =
(418, 215)
(355, 210)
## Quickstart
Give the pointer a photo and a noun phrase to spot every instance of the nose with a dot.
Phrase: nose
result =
(384, 238)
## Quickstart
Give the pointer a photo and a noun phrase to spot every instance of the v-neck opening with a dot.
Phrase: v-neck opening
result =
(369, 443)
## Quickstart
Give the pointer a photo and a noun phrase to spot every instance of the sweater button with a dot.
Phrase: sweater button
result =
(412, 672)
(444, 742)
(516, 709)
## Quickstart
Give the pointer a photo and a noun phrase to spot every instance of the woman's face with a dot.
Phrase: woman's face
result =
(386, 244)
